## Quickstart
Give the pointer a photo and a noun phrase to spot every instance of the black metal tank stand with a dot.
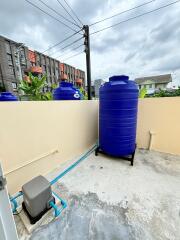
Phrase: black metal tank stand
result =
(128, 158)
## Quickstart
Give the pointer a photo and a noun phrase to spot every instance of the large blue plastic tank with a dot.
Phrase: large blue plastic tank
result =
(66, 91)
(7, 96)
(118, 116)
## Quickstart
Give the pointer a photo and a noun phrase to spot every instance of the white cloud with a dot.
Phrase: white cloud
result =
(145, 46)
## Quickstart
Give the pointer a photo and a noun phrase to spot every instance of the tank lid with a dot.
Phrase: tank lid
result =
(65, 84)
(119, 78)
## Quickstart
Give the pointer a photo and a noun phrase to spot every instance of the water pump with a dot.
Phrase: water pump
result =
(37, 195)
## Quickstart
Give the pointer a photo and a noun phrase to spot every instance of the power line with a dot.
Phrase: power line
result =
(77, 40)
(128, 10)
(132, 18)
(71, 50)
(65, 39)
(72, 56)
(73, 12)
(34, 5)
(68, 12)
(52, 9)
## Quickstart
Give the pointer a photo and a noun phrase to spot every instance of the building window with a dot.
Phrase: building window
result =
(139, 86)
(33, 64)
(11, 70)
(22, 57)
(14, 85)
(150, 86)
(7, 46)
(9, 57)
(44, 68)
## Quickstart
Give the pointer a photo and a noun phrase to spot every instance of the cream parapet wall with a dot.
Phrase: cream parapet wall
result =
(36, 137)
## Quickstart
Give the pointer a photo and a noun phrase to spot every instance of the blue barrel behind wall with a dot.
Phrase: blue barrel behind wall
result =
(7, 96)
(66, 91)
(118, 116)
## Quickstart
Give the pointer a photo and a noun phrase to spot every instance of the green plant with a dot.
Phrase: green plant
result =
(142, 92)
(84, 93)
(33, 86)
(168, 93)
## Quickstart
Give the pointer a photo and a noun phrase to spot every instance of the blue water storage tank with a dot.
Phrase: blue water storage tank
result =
(66, 91)
(118, 116)
(7, 96)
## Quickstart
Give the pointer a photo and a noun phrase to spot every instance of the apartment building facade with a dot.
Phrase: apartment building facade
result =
(17, 60)
(73, 75)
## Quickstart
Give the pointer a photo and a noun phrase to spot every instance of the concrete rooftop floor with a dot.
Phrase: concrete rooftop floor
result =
(110, 200)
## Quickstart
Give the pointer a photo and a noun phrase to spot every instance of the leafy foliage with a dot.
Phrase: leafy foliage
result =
(33, 86)
(84, 93)
(142, 93)
(167, 93)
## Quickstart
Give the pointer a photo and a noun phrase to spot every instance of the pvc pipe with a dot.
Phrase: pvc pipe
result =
(13, 198)
(151, 139)
(14, 202)
(57, 211)
(63, 202)
(73, 165)
(32, 161)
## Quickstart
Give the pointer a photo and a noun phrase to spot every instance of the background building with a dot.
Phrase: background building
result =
(97, 84)
(16, 60)
(73, 75)
(154, 83)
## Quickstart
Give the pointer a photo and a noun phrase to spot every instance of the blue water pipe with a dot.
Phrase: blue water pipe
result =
(58, 211)
(52, 204)
(73, 165)
(14, 202)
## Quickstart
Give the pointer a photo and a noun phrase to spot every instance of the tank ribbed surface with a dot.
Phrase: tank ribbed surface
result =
(118, 116)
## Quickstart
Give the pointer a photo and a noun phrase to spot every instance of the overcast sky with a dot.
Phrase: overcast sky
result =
(142, 47)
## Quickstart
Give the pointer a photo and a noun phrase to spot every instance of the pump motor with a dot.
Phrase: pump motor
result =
(37, 195)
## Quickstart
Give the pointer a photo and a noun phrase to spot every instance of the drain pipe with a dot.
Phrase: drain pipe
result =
(151, 139)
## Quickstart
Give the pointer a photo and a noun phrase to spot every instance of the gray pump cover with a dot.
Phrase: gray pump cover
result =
(37, 194)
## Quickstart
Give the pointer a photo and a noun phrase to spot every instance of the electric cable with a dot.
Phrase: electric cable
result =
(73, 12)
(34, 5)
(52, 9)
(62, 41)
(132, 18)
(70, 44)
(125, 11)
(72, 56)
(71, 50)
(68, 12)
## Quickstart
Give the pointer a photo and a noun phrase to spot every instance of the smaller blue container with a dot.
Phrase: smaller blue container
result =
(7, 96)
(66, 91)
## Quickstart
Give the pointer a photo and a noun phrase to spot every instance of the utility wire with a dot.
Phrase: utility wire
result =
(59, 43)
(34, 5)
(77, 40)
(125, 11)
(72, 56)
(68, 12)
(132, 18)
(52, 9)
(73, 12)
(71, 50)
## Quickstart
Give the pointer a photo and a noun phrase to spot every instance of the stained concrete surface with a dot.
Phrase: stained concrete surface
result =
(109, 199)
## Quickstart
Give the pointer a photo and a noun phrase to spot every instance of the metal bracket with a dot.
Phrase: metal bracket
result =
(3, 182)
